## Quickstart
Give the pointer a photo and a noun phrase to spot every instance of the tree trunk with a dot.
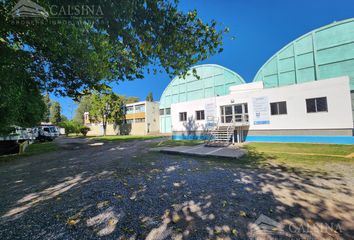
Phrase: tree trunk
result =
(104, 129)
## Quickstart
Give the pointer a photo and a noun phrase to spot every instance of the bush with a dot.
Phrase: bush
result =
(84, 130)
(71, 127)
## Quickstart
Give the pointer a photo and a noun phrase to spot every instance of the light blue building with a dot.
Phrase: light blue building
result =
(214, 80)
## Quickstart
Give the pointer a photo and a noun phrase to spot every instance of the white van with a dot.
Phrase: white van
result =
(48, 133)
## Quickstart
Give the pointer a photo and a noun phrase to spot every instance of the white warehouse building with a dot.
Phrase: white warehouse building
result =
(304, 93)
(306, 112)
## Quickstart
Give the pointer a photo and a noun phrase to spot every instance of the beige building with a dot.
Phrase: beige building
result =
(141, 118)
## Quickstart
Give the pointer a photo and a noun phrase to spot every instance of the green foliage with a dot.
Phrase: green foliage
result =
(128, 100)
(71, 127)
(73, 58)
(150, 97)
(83, 106)
(46, 99)
(21, 102)
(134, 35)
(84, 130)
(107, 108)
(64, 118)
(55, 113)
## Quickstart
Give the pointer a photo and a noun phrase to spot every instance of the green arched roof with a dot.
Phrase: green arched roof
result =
(214, 80)
(323, 53)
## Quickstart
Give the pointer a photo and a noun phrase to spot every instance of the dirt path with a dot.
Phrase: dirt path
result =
(119, 190)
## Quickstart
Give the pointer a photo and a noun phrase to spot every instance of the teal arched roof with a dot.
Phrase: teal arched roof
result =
(323, 53)
(214, 80)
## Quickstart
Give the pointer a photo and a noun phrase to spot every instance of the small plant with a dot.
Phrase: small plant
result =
(84, 130)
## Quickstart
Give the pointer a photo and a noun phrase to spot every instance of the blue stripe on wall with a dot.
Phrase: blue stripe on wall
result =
(289, 139)
(191, 137)
(303, 139)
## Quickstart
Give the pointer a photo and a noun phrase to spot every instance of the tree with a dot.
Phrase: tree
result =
(71, 127)
(107, 108)
(128, 100)
(55, 113)
(83, 106)
(72, 57)
(21, 102)
(150, 97)
(64, 118)
(47, 102)
(84, 130)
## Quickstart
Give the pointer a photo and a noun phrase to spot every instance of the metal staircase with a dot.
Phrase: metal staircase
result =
(221, 134)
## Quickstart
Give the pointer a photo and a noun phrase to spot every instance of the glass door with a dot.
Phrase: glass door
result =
(236, 113)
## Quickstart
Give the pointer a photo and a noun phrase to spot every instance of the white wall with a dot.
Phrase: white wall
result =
(337, 91)
(152, 116)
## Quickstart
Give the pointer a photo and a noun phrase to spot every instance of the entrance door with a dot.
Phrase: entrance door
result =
(236, 113)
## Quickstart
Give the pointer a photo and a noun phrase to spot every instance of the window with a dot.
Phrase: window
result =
(129, 121)
(182, 116)
(278, 108)
(314, 105)
(168, 111)
(140, 120)
(234, 113)
(162, 112)
(200, 115)
(140, 108)
(228, 114)
(130, 109)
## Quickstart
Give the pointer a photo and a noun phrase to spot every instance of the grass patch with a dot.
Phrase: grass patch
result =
(39, 148)
(124, 138)
(174, 143)
(307, 156)
(321, 149)
(33, 149)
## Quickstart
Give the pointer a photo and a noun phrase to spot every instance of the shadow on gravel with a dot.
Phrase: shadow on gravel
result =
(123, 192)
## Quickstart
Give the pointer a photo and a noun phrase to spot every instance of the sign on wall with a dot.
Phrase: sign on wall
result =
(261, 110)
(211, 114)
(210, 109)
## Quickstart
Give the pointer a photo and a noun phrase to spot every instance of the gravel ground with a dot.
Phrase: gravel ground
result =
(119, 190)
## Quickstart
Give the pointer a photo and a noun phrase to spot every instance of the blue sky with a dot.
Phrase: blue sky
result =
(260, 27)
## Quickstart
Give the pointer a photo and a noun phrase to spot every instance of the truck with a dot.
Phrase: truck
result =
(10, 143)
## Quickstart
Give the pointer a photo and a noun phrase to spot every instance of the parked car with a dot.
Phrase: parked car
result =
(47, 133)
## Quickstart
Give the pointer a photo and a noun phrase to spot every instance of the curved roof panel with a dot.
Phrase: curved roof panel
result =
(214, 80)
(323, 53)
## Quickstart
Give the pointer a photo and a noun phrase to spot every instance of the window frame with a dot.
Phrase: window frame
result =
(200, 115)
(139, 108)
(183, 116)
(129, 109)
(234, 117)
(139, 120)
(316, 99)
(277, 105)
(129, 121)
